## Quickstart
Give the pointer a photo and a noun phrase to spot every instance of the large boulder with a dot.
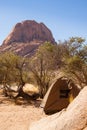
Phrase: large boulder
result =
(72, 118)
(30, 89)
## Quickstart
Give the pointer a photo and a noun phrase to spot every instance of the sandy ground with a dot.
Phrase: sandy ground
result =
(18, 117)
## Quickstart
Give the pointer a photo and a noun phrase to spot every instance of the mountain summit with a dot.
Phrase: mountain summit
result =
(26, 37)
(28, 31)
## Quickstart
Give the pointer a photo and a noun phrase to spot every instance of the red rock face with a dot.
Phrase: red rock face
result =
(26, 37)
(28, 31)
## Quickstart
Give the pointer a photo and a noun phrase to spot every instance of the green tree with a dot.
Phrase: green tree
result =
(42, 66)
(76, 59)
(7, 67)
(13, 70)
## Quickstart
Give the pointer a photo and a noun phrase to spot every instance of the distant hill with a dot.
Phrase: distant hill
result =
(25, 38)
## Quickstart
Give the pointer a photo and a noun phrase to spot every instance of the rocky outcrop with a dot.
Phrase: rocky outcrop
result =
(28, 31)
(26, 37)
(72, 118)
(22, 49)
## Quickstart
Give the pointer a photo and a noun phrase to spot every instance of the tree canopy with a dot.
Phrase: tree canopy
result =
(69, 56)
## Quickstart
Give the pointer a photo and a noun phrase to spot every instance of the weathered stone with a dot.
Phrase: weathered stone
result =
(29, 31)
(72, 118)
(26, 37)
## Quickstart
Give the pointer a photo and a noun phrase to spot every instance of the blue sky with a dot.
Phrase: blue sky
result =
(65, 18)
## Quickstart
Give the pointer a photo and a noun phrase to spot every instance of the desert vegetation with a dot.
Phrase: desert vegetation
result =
(68, 57)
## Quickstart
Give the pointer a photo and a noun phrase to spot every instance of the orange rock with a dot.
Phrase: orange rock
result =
(27, 31)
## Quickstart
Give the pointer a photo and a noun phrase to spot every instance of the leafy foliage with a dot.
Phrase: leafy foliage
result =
(12, 70)
(76, 60)
(42, 66)
(69, 56)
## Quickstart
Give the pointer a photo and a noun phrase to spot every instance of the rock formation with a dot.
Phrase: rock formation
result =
(26, 37)
(72, 118)
(29, 31)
